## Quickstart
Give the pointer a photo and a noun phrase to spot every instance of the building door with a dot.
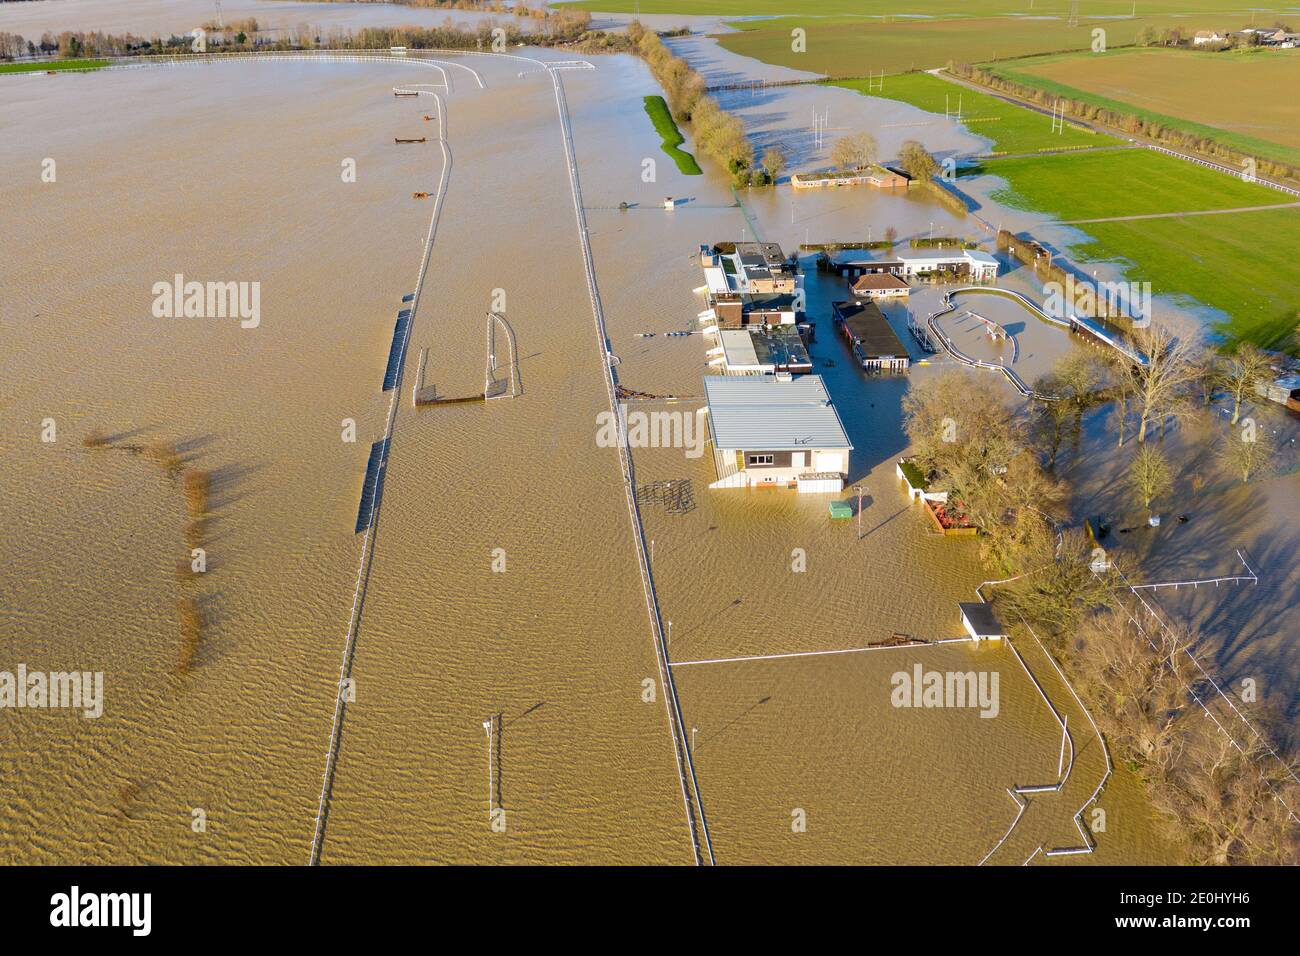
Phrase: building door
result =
(827, 461)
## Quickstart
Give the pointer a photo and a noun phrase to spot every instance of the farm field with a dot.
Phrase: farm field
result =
(1013, 129)
(1240, 263)
(1208, 94)
(900, 8)
(1133, 182)
(855, 48)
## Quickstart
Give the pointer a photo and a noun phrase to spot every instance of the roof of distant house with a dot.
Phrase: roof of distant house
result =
(879, 280)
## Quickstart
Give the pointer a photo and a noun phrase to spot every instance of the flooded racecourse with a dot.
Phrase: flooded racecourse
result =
(505, 701)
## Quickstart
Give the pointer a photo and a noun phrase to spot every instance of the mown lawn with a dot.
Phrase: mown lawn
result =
(1013, 129)
(1241, 263)
(656, 107)
(1130, 182)
(81, 65)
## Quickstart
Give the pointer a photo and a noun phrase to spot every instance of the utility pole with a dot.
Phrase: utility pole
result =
(858, 489)
(487, 726)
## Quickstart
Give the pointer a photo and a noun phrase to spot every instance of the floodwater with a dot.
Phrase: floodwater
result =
(149, 17)
(93, 536)
(31, 18)
(504, 585)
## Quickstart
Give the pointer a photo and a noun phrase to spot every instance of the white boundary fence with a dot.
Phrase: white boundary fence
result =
(681, 750)
(1208, 164)
(368, 542)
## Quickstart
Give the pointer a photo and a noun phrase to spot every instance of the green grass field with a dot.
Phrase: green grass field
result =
(1130, 182)
(1013, 129)
(1221, 92)
(81, 65)
(894, 8)
(840, 47)
(657, 109)
(1242, 263)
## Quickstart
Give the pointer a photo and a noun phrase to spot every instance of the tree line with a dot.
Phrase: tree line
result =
(564, 27)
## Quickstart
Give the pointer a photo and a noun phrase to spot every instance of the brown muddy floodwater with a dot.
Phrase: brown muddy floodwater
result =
(504, 584)
(164, 17)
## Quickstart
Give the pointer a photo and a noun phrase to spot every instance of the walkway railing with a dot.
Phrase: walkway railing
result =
(685, 765)
(368, 542)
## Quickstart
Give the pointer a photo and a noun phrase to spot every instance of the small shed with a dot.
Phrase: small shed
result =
(980, 621)
(841, 509)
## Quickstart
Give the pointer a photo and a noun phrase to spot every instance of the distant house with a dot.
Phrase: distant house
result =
(884, 178)
(1284, 391)
(1203, 37)
(872, 340)
(776, 432)
(880, 285)
(878, 176)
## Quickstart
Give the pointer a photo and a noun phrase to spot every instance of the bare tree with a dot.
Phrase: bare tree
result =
(1240, 372)
(1228, 795)
(1247, 451)
(1051, 418)
(854, 151)
(1138, 690)
(1206, 375)
(1160, 383)
(1123, 389)
(773, 162)
(917, 161)
(1149, 475)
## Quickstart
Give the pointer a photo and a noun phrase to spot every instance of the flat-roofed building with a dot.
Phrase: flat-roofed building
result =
(870, 337)
(972, 264)
(762, 351)
(776, 431)
(980, 622)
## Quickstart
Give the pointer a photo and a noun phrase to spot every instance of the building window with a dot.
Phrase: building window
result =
(752, 460)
